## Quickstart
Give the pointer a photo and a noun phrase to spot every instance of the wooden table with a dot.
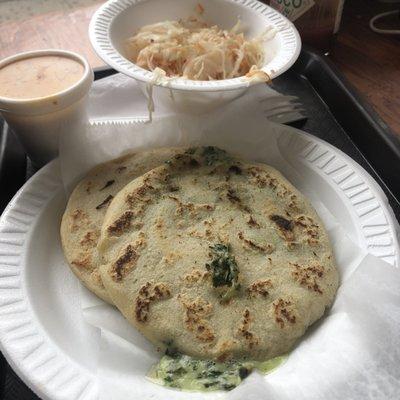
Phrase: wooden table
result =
(370, 61)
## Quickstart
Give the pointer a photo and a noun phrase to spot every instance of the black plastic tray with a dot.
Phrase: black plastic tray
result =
(335, 113)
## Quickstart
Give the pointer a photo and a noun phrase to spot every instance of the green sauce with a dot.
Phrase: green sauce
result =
(187, 373)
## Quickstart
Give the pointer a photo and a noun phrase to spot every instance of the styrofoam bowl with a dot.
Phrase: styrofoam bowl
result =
(117, 20)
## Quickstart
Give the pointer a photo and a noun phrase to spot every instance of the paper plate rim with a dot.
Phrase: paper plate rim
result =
(16, 225)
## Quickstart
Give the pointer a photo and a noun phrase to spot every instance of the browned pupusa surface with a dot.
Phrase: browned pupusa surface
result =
(162, 232)
(87, 205)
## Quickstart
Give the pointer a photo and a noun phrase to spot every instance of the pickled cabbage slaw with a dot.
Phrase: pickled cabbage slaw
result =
(192, 50)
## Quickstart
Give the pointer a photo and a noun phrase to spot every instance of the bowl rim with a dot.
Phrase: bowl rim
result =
(99, 35)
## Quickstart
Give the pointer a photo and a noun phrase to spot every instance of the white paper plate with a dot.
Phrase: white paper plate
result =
(42, 332)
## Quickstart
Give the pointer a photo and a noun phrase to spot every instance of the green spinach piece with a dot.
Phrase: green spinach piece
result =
(225, 271)
(213, 154)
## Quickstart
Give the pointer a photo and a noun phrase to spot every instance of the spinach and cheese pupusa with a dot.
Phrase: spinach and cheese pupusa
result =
(223, 257)
(87, 205)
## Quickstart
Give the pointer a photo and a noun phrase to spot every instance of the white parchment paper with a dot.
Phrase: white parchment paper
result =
(119, 97)
(352, 353)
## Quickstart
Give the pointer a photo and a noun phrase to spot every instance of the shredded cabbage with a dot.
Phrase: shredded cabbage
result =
(192, 50)
(159, 74)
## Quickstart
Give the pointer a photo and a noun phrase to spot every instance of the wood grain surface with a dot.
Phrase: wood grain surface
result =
(370, 61)
(66, 30)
